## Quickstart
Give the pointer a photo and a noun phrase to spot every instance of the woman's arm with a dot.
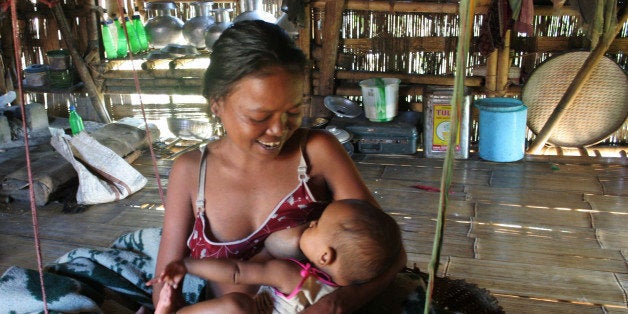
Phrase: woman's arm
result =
(330, 162)
(178, 216)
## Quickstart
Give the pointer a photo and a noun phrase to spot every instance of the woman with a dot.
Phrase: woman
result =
(264, 178)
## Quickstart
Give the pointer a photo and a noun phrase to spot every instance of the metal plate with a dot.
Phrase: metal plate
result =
(342, 107)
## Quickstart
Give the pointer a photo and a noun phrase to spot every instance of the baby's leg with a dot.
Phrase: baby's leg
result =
(164, 305)
(234, 302)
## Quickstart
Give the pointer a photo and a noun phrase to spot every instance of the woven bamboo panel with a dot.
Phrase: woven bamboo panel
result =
(514, 304)
(598, 110)
(531, 216)
(539, 281)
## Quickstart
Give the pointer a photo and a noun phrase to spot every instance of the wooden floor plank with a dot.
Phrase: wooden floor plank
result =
(531, 216)
(516, 305)
(540, 281)
(544, 234)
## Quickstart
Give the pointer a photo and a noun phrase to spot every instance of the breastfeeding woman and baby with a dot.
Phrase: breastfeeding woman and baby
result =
(247, 209)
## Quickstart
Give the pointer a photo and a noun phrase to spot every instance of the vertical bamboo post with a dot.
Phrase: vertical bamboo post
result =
(81, 67)
(331, 40)
(491, 74)
(503, 66)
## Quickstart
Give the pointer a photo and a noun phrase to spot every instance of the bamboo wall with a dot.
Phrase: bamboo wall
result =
(347, 42)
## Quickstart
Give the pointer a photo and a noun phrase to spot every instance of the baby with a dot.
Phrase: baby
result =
(352, 243)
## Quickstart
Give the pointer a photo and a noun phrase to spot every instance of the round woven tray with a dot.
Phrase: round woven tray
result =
(598, 110)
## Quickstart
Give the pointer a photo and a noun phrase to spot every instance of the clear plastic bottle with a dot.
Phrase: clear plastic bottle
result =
(139, 28)
(76, 122)
(111, 51)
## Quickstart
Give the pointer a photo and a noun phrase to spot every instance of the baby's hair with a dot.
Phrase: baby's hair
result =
(367, 244)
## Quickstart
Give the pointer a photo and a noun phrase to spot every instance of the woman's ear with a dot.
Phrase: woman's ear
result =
(216, 107)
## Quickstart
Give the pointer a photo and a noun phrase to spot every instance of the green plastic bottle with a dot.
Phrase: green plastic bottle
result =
(76, 122)
(111, 51)
(133, 38)
(123, 48)
(140, 29)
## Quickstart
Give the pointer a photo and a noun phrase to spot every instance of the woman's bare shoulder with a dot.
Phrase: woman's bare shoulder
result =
(188, 160)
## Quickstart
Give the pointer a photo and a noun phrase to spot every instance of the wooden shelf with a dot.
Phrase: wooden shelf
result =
(51, 89)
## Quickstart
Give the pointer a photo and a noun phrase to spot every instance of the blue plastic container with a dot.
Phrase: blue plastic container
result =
(502, 129)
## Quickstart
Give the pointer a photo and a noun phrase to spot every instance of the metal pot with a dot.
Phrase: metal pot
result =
(223, 21)
(194, 29)
(343, 136)
(252, 10)
(163, 28)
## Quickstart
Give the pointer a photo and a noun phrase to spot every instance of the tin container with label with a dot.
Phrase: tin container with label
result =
(437, 123)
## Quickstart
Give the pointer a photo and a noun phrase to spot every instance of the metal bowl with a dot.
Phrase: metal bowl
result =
(194, 129)
(342, 107)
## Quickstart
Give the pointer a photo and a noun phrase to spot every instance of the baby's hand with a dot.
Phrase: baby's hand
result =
(172, 274)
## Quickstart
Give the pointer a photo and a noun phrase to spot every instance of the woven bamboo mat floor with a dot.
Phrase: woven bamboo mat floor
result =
(544, 235)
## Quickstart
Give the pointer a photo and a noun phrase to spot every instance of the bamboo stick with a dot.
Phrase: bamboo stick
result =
(491, 74)
(405, 6)
(472, 81)
(153, 74)
(575, 87)
(331, 30)
(503, 67)
(81, 67)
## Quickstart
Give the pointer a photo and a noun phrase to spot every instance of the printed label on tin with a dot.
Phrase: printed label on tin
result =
(442, 125)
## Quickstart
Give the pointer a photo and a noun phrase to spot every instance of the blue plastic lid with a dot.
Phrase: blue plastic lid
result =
(36, 68)
(501, 104)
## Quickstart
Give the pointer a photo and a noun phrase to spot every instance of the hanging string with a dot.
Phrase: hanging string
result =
(31, 192)
(136, 80)
(466, 13)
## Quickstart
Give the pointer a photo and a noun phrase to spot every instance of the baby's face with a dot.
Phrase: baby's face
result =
(318, 238)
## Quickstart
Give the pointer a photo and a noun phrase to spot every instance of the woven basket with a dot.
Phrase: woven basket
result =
(407, 295)
(598, 110)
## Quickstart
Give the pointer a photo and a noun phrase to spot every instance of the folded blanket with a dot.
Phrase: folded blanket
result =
(82, 279)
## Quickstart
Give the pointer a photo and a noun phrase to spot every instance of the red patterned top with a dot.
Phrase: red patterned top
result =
(297, 208)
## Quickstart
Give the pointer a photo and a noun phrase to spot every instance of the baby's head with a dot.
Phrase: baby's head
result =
(353, 241)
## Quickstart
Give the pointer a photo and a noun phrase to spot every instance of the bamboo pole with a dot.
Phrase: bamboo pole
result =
(491, 74)
(331, 31)
(404, 6)
(503, 67)
(462, 49)
(95, 96)
(575, 87)
(472, 81)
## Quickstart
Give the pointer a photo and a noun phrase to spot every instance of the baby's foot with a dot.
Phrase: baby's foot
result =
(164, 305)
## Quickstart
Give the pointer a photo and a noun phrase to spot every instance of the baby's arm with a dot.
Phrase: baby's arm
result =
(281, 274)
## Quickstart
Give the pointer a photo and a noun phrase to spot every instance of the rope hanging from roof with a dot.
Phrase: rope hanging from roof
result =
(29, 170)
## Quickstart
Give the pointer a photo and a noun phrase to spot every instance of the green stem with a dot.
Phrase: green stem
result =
(466, 19)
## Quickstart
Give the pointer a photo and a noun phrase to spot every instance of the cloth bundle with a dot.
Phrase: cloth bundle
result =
(103, 175)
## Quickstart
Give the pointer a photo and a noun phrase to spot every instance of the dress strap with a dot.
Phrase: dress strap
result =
(200, 195)
(302, 164)
(306, 271)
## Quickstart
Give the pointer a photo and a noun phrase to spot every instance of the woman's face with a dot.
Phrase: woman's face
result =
(262, 112)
